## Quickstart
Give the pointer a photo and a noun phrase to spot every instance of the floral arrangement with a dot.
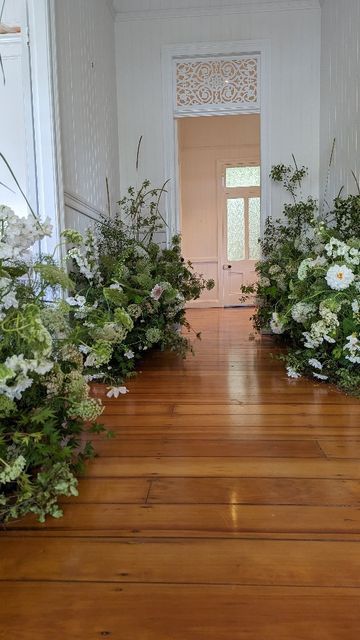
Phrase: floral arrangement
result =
(125, 295)
(44, 397)
(130, 292)
(309, 285)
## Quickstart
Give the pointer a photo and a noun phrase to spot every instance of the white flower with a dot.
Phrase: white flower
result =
(9, 300)
(292, 373)
(320, 376)
(276, 324)
(129, 354)
(301, 311)
(83, 348)
(339, 277)
(309, 263)
(315, 363)
(353, 347)
(338, 249)
(355, 306)
(115, 392)
(264, 282)
(274, 269)
(116, 286)
(157, 292)
(77, 301)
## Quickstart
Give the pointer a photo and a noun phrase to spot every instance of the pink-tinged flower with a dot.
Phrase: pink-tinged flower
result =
(115, 392)
(157, 292)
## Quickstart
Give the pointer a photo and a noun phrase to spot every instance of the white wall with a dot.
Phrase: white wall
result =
(88, 108)
(295, 81)
(340, 93)
(16, 134)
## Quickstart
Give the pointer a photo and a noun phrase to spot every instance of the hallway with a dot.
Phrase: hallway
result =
(227, 507)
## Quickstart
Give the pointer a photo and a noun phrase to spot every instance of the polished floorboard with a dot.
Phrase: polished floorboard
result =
(227, 507)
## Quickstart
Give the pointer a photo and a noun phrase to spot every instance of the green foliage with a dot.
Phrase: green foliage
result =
(134, 296)
(44, 397)
(309, 285)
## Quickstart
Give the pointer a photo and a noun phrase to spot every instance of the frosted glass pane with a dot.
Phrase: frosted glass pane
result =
(254, 228)
(235, 229)
(243, 177)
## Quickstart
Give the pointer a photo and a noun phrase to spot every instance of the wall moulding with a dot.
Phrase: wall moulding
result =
(241, 7)
(260, 49)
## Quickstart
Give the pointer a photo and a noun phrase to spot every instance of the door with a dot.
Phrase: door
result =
(241, 209)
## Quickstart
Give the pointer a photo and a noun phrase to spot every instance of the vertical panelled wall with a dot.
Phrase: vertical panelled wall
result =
(88, 107)
(340, 93)
(294, 84)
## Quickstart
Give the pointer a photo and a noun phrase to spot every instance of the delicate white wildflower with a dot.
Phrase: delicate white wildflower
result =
(292, 373)
(303, 269)
(339, 277)
(353, 348)
(302, 311)
(129, 354)
(115, 392)
(274, 269)
(77, 301)
(13, 470)
(309, 263)
(315, 364)
(355, 306)
(320, 376)
(157, 292)
(117, 286)
(9, 300)
(276, 324)
(339, 249)
(264, 282)
(83, 348)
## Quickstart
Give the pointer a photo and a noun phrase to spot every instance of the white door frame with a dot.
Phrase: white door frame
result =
(170, 53)
(46, 118)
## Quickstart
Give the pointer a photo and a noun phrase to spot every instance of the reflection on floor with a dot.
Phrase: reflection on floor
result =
(226, 508)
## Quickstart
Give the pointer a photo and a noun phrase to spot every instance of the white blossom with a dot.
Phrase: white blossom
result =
(115, 392)
(292, 373)
(339, 277)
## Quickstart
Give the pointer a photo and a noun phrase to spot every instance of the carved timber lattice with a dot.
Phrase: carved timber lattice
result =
(228, 82)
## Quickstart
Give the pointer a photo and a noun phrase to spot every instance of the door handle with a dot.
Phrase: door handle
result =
(227, 266)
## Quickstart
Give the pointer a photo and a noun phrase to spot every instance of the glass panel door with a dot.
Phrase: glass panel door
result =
(235, 229)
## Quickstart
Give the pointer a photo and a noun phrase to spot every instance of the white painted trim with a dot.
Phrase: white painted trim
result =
(46, 115)
(171, 52)
(81, 205)
(245, 6)
(10, 38)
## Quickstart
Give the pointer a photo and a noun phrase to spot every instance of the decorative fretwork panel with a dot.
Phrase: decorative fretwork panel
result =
(212, 82)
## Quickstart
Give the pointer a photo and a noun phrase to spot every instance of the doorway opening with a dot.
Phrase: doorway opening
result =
(220, 203)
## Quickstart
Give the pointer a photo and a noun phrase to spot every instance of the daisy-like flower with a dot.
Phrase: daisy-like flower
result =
(115, 392)
(292, 373)
(129, 354)
(339, 277)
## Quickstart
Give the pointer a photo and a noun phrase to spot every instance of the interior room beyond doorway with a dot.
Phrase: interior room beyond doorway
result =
(219, 168)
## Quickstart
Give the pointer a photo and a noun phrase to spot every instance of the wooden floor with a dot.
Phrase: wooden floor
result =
(226, 508)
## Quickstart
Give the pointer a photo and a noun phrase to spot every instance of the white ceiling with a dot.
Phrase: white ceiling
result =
(165, 5)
